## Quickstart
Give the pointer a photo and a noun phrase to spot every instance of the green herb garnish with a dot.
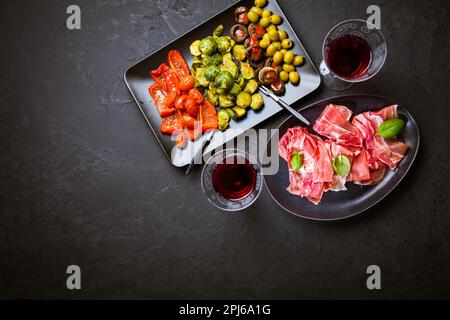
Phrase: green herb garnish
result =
(296, 161)
(391, 128)
(341, 165)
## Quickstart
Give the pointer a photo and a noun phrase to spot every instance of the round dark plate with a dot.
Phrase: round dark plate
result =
(344, 204)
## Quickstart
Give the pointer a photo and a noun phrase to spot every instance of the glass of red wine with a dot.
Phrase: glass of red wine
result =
(231, 180)
(353, 51)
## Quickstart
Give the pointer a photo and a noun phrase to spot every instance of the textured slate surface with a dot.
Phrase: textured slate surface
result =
(83, 181)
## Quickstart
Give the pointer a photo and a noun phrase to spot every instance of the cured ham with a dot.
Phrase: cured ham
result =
(388, 151)
(334, 123)
(368, 154)
(316, 174)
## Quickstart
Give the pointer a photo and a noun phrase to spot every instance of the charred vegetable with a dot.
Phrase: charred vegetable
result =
(224, 81)
(238, 33)
(208, 46)
(257, 102)
(223, 44)
(211, 72)
(267, 75)
(241, 15)
(212, 60)
(278, 87)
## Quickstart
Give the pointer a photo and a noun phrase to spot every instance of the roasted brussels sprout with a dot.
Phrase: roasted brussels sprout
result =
(238, 33)
(224, 81)
(195, 51)
(208, 46)
(251, 86)
(218, 31)
(278, 87)
(223, 44)
(223, 119)
(267, 75)
(212, 60)
(240, 112)
(235, 90)
(231, 113)
(246, 71)
(200, 77)
(239, 52)
(243, 99)
(257, 102)
(212, 97)
(211, 72)
(226, 100)
(241, 15)
(231, 67)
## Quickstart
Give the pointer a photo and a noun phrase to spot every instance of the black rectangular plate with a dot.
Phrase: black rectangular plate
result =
(138, 81)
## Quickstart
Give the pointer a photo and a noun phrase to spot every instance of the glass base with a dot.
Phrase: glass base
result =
(330, 81)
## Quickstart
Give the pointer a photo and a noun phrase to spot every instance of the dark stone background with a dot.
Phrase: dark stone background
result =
(83, 181)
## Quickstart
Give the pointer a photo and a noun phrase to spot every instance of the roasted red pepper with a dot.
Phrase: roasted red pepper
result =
(208, 116)
(158, 76)
(172, 123)
(177, 63)
(159, 99)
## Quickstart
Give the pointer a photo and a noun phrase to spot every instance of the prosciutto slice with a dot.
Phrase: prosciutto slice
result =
(388, 151)
(316, 174)
(334, 123)
(369, 154)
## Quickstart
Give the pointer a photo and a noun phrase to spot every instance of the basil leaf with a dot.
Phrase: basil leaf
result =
(341, 165)
(390, 128)
(296, 161)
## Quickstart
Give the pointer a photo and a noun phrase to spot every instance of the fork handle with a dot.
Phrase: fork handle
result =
(294, 112)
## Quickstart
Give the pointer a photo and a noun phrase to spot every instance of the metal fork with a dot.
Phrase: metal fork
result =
(296, 114)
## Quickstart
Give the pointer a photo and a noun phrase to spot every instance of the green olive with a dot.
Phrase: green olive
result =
(260, 3)
(264, 22)
(275, 19)
(282, 35)
(298, 61)
(266, 37)
(252, 16)
(266, 13)
(283, 51)
(271, 49)
(288, 67)
(288, 57)
(294, 77)
(286, 43)
(271, 27)
(256, 10)
(264, 43)
(277, 57)
(278, 45)
(284, 76)
(273, 35)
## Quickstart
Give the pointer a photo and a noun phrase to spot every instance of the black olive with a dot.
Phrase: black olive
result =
(238, 33)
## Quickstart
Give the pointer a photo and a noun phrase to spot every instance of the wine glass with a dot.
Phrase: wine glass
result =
(353, 51)
(231, 180)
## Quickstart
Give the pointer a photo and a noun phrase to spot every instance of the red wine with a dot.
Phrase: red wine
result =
(348, 57)
(234, 180)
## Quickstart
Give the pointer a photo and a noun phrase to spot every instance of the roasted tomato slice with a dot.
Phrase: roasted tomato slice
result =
(159, 98)
(158, 75)
(171, 123)
(208, 116)
(193, 133)
(170, 99)
(188, 121)
(179, 104)
(197, 95)
(187, 83)
(191, 106)
(177, 63)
